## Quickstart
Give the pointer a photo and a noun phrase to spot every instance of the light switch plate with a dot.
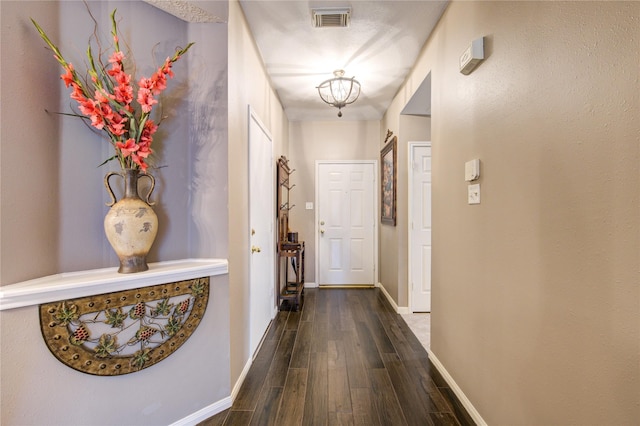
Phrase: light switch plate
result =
(474, 194)
(309, 205)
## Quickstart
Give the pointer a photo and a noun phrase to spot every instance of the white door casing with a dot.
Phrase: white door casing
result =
(346, 200)
(261, 232)
(420, 226)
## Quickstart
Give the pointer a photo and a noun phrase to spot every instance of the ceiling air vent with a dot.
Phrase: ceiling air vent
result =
(331, 17)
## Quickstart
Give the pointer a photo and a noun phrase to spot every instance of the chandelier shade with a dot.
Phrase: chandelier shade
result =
(339, 91)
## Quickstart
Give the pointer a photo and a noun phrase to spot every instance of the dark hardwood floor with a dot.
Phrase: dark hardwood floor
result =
(345, 358)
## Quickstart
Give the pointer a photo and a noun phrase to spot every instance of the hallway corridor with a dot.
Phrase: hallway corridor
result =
(345, 358)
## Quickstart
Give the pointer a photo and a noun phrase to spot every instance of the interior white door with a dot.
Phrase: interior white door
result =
(346, 223)
(420, 230)
(261, 220)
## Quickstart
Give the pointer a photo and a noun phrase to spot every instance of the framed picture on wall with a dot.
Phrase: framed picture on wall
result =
(388, 172)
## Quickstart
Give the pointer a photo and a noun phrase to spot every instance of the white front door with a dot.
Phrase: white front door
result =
(261, 220)
(346, 223)
(420, 227)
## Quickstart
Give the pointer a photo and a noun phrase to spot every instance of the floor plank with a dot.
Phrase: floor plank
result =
(384, 399)
(316, 400)
(292, 406)
(364, 412)
(356, 363)
(302, 348)
(346, 358)
(339, 399)
(253, 382)
(280, 365)
(267, 407)
(415, 405)
(238, 418)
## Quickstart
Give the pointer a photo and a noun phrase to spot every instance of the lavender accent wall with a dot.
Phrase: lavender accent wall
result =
(52, 205)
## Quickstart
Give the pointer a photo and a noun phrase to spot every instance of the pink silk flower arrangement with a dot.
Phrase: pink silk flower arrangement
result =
(106, 98)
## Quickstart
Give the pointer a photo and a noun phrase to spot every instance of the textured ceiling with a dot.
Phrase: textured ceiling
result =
(378, 48)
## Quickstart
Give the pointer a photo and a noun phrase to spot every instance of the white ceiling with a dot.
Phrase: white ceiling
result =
(378, 49)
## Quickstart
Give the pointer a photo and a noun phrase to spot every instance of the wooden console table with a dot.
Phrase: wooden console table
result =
(293, 288)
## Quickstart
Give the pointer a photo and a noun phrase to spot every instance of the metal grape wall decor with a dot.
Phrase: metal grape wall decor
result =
(126, 331)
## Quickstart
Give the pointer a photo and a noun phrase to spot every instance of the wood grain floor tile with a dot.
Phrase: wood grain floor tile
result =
(364, 411)
(238, 418)
(415, 405)
(267, 407)
(291, 408)
(340, 419)
(280, 365)
(385, 399)
(316, 401)
(346, 358)
(309, 308)
(369, 348)
(302, 347)
(253, 382)
(217, 420)
(277, 326)
(293, 320)
(356, 362)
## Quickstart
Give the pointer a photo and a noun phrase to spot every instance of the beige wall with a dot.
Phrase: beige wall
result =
(394, 239)
(535, 291)
(322, 140)
(248, 85)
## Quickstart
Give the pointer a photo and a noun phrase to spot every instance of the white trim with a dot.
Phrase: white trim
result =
(411, 145)
(402, 310)
(376, 191)
(70, 285)
(456, 389)
(240, 381)
(310, 285)
(204, 413)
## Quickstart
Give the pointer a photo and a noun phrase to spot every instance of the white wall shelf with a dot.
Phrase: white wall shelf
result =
(71, 285)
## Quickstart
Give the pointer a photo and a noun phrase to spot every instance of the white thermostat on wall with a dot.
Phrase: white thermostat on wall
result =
(472, 56)
(472, 170)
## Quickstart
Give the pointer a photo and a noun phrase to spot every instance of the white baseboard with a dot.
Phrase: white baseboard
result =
(310, 285)
(456, 389)
(238, 385)
(399, 309)
(205, 413)
(217, 407)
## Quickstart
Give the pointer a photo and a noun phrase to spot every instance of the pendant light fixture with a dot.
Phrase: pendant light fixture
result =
(339, 91)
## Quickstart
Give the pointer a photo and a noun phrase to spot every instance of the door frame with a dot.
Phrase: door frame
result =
(253, 117)
(410, 188)
(376, 220)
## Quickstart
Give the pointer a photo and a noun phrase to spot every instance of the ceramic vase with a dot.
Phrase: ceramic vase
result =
(131, 224)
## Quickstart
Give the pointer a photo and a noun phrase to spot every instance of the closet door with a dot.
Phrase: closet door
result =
(261, 220)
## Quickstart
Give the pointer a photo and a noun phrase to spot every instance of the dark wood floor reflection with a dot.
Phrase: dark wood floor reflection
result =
(345, 358)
